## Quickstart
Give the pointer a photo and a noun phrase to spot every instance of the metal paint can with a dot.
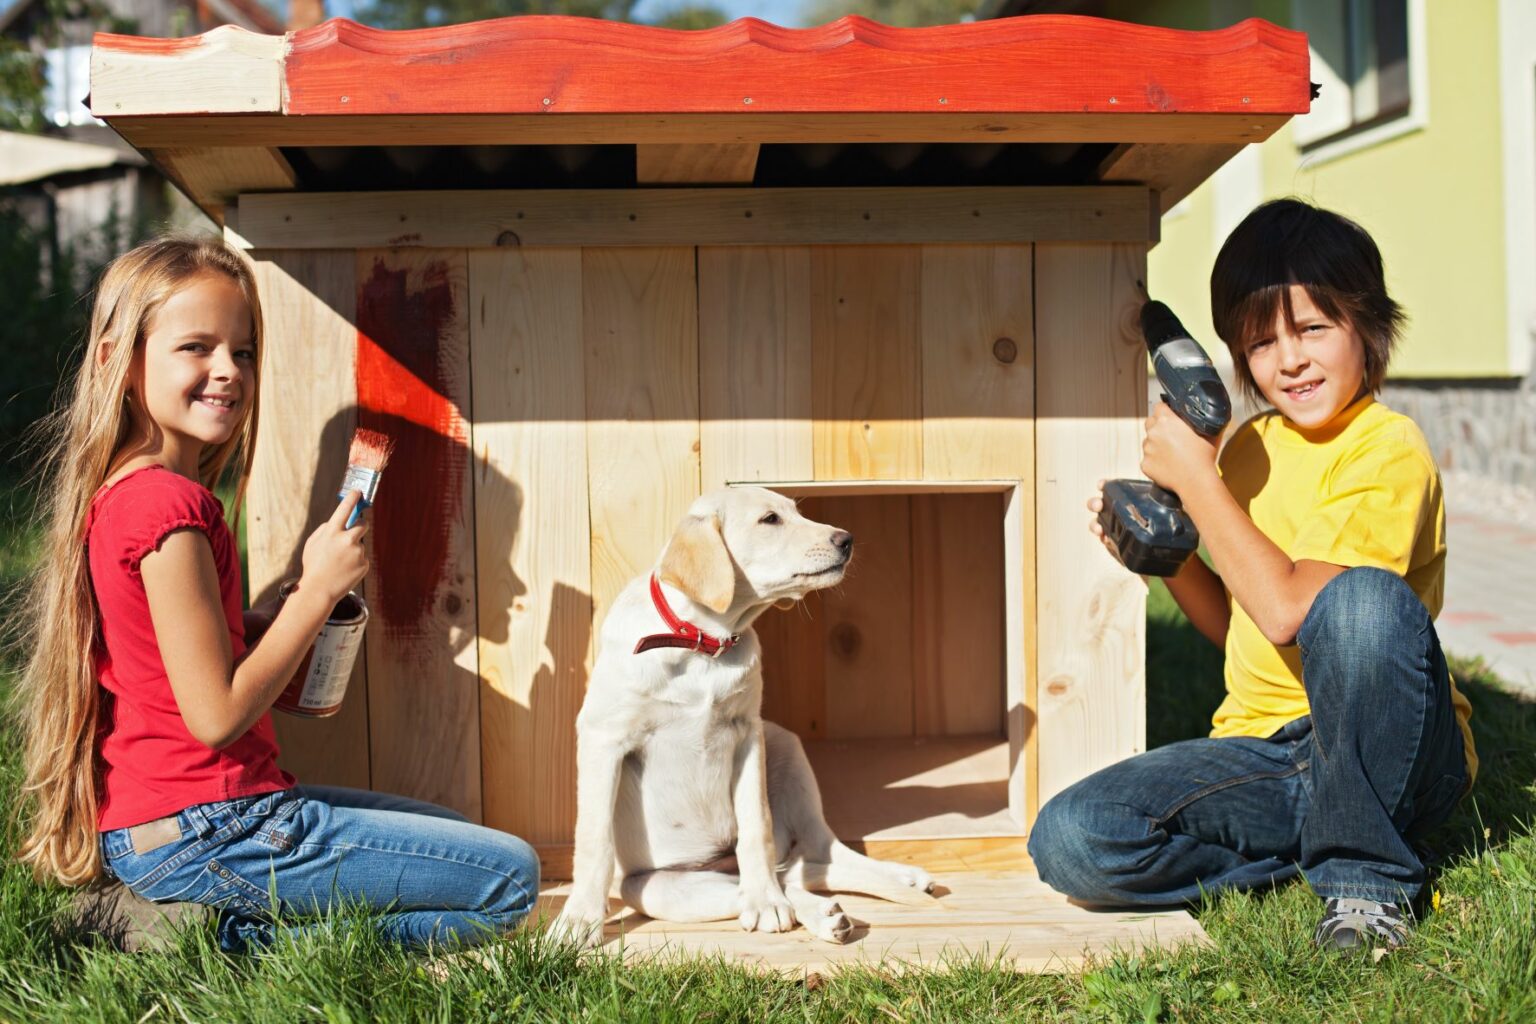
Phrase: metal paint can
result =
(317, 688)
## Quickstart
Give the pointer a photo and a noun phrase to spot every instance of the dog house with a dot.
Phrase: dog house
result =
(582, 271)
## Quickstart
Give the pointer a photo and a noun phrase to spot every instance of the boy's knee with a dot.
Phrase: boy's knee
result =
(1360, 614)
(1067, 849)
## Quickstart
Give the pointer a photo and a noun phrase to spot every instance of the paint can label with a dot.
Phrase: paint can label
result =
(319, 685)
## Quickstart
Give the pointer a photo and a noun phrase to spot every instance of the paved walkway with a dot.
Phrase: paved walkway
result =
(1490, 596)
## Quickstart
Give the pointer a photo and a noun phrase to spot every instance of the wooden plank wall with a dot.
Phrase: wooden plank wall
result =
(573, 402)
(309, 301)
(1091, 367)
(533, 553)
(413, 384)
(923, 360)
(642, 385)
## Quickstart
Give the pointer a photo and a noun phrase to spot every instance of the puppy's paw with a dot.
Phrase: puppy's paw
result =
(914, 877)
(766, 911)
(578, 926)
(831, 924)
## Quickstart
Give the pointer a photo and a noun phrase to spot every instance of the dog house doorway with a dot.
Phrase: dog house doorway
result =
(906, 682)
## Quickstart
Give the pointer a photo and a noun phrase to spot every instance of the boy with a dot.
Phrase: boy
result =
(1342, 737)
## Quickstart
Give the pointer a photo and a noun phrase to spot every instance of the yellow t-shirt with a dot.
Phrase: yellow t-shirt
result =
(1361, 490)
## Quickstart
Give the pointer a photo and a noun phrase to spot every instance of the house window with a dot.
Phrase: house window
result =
(1361, 58)
(69, 82)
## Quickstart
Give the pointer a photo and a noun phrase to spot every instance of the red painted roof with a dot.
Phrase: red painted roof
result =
(1058, 64)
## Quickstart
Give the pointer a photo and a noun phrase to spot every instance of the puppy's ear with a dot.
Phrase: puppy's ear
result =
(697, 563)
(784, 604)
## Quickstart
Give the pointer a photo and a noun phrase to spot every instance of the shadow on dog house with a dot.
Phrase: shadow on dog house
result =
(583, 271)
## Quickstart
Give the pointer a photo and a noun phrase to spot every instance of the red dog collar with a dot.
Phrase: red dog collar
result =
(684, 634)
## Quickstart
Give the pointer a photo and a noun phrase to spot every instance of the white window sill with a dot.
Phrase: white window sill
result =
(1409, 123)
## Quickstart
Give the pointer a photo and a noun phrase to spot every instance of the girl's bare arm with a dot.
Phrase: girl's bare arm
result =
(218, 699)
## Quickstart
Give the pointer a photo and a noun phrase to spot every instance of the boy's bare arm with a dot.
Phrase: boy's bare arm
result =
(1276, 592)
(1203, 599)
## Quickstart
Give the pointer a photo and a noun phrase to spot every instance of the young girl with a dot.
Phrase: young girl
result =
(1342, 737)
(150, 753)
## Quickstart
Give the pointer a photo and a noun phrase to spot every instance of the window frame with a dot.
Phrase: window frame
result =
(1322, 145)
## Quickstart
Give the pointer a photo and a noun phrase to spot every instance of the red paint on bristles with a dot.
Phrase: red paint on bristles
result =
(370, 450)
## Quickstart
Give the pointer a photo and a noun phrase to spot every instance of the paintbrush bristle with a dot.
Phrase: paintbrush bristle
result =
(370, 450)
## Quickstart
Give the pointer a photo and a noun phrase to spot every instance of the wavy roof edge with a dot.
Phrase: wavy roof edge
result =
(554, 65)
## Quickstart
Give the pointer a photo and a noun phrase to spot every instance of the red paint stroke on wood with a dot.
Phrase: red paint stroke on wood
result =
(405, 389)
(144, 44)
(559, 65)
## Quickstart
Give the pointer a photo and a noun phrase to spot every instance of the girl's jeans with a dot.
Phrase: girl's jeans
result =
(1338, 795)
(435, 877)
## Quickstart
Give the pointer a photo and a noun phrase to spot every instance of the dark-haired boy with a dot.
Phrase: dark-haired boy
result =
(1342, 737)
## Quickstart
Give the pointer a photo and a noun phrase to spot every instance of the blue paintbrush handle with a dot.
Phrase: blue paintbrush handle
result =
(357, 512)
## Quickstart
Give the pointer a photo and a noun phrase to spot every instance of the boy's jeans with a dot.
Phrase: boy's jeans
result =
(1337, 795)
(437, 877)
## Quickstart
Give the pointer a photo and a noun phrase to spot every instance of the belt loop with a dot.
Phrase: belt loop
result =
(197, 821)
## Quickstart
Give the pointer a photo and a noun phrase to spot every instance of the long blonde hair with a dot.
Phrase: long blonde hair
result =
(59, 695)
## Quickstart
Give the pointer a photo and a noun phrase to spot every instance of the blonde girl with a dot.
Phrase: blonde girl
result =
(150, 755)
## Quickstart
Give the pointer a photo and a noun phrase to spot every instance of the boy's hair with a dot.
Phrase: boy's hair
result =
(59, 693)
(1288, 241)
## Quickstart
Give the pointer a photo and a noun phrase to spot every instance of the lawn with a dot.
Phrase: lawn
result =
(1473, 958)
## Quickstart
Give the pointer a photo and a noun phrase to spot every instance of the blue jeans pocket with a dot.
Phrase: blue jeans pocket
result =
(276, 823)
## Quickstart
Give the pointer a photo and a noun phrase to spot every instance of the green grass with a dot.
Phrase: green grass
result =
(1475, 959)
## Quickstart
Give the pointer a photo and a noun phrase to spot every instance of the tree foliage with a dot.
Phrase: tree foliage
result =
(429, 13)
(23, 72)
(689, 16)
(44, 286)
(21, 89)
(905, 13)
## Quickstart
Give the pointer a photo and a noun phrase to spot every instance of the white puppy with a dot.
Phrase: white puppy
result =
(677, 771)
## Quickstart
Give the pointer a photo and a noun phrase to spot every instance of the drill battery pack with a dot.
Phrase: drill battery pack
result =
(1147, 526)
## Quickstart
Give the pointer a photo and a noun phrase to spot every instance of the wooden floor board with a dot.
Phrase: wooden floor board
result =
(1008, 916)
(921, 787)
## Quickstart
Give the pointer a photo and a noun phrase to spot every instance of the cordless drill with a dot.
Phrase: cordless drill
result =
(1146, 523)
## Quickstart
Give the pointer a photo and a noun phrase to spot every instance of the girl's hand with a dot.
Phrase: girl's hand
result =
(334, 558)
(1096, 505)
(1173, 456)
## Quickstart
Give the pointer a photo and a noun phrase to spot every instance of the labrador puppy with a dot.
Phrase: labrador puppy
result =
(708, 812)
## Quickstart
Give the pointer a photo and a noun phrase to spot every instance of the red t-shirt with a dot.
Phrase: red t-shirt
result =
(151, 763)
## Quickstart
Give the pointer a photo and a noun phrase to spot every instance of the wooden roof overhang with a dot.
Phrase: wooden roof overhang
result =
(545, 103)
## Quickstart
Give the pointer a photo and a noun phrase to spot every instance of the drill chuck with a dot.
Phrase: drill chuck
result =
(1190, 383)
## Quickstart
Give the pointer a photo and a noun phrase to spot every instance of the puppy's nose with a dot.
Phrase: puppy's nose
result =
(843, 541)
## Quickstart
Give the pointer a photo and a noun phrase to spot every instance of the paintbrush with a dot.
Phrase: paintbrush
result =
(365, 465)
